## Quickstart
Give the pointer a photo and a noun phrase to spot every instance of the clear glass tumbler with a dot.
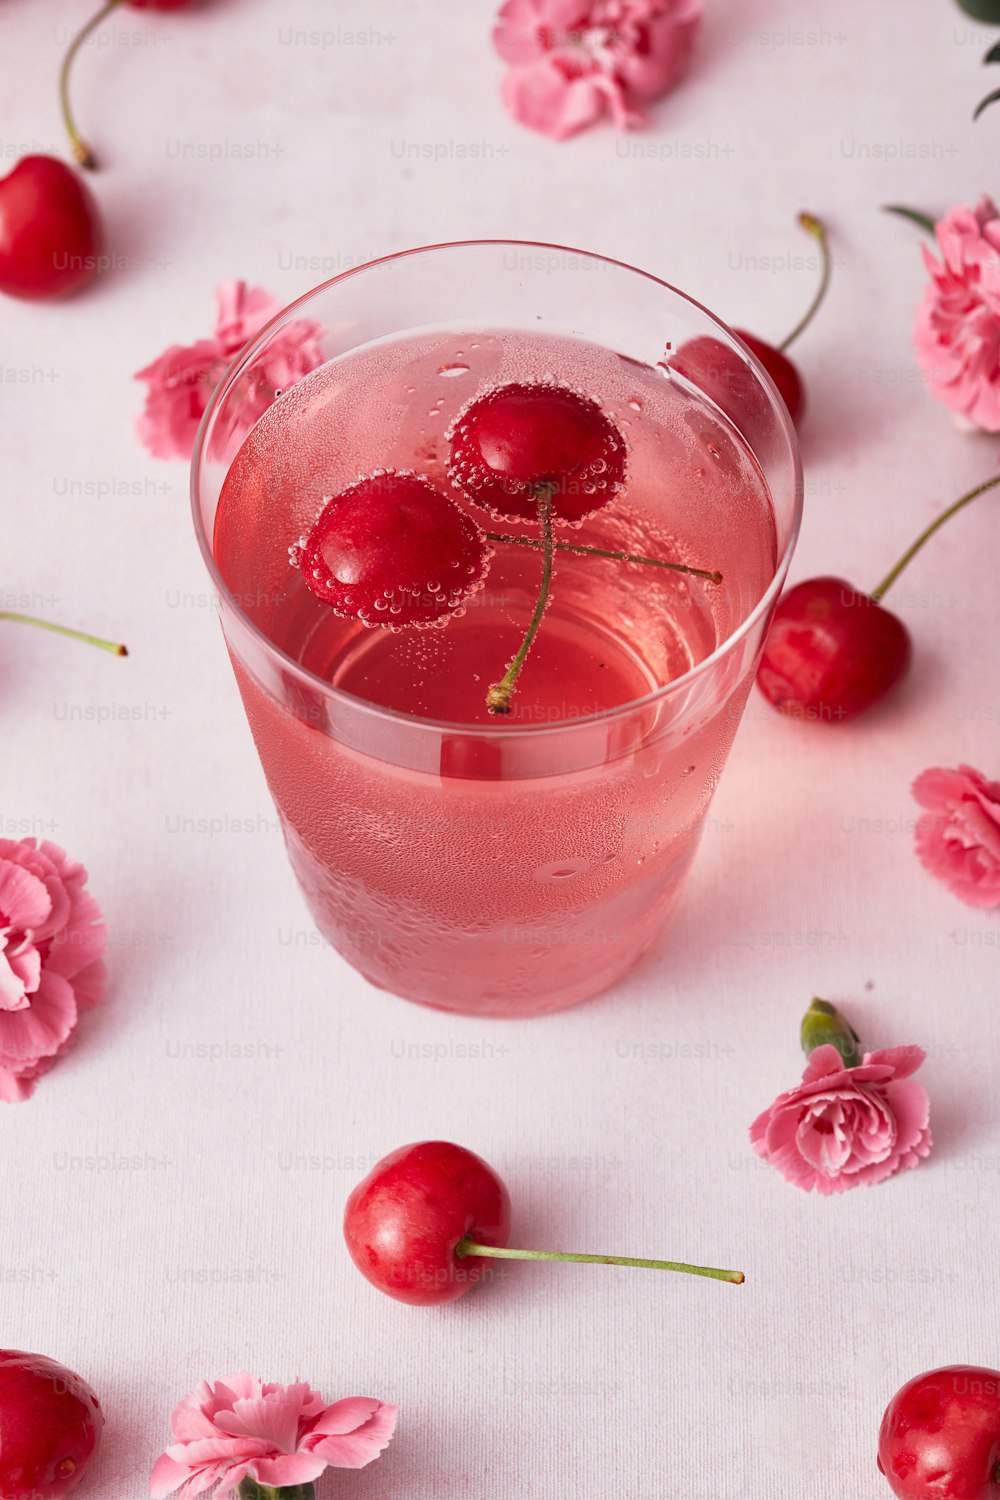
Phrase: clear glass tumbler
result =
(507, 867)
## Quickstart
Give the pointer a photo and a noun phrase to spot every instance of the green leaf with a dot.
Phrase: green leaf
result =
(914, 215)
(982, 10)
(985, 103)
(993, 55)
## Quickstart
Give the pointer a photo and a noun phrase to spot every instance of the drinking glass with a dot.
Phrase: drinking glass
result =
(504, 868)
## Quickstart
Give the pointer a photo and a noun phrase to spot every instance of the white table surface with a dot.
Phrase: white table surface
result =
(170, 1213)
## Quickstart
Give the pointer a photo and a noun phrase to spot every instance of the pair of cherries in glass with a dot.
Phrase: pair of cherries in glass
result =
(395, 550)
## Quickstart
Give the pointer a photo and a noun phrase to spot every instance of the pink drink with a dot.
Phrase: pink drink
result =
(525, 863)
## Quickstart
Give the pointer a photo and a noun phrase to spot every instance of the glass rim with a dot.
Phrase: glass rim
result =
(498, 731)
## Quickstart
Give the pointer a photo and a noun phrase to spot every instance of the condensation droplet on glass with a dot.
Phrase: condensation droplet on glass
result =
(688, 770)
(635, 403)
(561, 869)
(453, 370)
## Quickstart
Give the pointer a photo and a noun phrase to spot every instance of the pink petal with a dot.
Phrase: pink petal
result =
(903, 1060)
(273, 1419)
(15, 1088)
(20, 971)
(24, 901)
(232, 1480)
(39, 1031)
(217, 1449)
(544, 97)
(168, 1477)
(911, 1108)
(823, 1062)
(82, 939)
(353, 1432)
(288, 1469)
(88, 987)
(347, 1415)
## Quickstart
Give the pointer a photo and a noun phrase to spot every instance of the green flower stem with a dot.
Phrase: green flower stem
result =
(74, 635)
(251, 1490)
(823, 1025)
(928, 532)
(815, 227)
(632, 557)
(81, 151)
(500, 693)
(503, 1252)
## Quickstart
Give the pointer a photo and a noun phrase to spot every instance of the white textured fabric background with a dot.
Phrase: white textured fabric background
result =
(172, 1195)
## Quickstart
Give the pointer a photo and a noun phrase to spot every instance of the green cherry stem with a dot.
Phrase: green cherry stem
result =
(82, 153)
(75, 635)
(250, 1490)
(928, 532)
(500, 693)
(504, 1252)
(815, 227)
(632, 557)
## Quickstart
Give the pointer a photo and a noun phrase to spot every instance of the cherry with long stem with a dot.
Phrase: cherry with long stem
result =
(115, 647)
(82, 153)
(833, 652)
(500, 693)
(505, 1252)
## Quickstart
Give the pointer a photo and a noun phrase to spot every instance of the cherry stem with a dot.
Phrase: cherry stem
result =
(250, 1490)
(75, 635)
(504, 1252)
(812, 226)
(632, 557)
(928, 532)
(500, 693)
(82, 153)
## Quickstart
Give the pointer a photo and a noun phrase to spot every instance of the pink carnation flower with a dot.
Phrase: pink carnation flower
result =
(957, 332)
(277, 1434)
(843, 1126)
(958, 837)
(570, 60)
(182, 380)
(52, 940)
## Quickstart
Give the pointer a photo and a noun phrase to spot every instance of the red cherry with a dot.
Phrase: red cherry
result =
(831, 653)
(405, 1221)
(724, 376)
(50, 230)
(50, 1427)
(517, 438)
(940, 1436)
(426, 1217)
(781, 370)
(392, 550)
(719, 371)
